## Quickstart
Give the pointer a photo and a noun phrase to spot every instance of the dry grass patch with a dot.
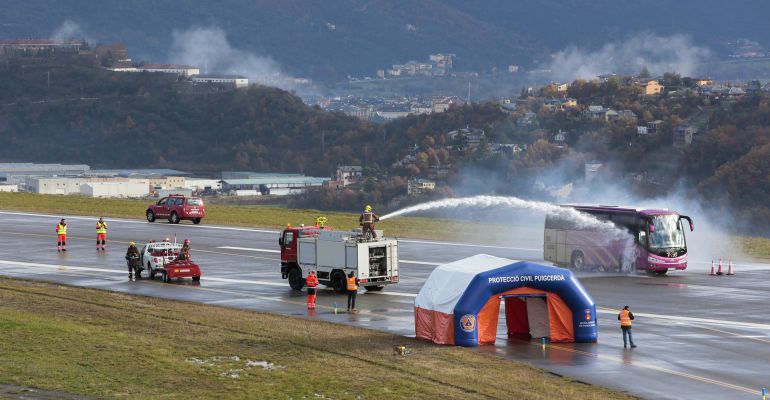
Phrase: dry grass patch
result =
(104, 344)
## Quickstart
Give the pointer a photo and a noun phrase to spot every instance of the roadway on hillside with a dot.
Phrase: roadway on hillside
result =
(699, 336)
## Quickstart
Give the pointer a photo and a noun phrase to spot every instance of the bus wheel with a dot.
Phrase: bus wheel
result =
(659, 272)
(578, 260)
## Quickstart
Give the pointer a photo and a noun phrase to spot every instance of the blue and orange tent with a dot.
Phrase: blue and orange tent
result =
(460, 302)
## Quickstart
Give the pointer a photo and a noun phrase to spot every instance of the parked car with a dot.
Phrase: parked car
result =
(162, 258)
(176, 208)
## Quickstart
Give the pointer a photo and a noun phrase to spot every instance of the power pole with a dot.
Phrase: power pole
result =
(323, 142)
(49, 79)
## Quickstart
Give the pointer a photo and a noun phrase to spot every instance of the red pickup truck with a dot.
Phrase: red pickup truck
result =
(176, 208)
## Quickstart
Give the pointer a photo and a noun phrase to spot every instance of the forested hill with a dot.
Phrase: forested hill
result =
(329, 39)
(109, 119)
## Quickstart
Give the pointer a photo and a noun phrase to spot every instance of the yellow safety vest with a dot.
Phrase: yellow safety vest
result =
(61, 229)
(101, 227)
(352, 284)
(625, 319)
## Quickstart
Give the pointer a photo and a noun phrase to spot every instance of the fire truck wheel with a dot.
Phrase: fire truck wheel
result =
(578, 260)
(339, 284)
(150, 271)
(150, 216)
(295, 278)
(165, 278)
(374, 288)
(196, 278)
(174, 218)
(196, 221)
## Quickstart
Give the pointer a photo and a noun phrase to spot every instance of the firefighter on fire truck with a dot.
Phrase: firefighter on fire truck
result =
(367, 220)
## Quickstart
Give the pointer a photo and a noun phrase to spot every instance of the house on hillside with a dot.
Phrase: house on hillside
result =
(654, 126)
(683, 135)
(642, 130)
(650, 87)
(349, 174)
(420, 186)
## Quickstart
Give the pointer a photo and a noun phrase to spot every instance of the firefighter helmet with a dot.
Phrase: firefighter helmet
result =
(187, 242)
(368, 208)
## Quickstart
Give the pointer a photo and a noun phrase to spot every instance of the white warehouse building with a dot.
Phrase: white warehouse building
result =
(115, 189)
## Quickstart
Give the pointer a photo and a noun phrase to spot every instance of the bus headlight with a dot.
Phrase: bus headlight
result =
(654, 260)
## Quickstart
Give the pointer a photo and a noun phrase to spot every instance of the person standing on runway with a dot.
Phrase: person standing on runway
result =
(101, 233)
(352, 286)
(625, 317)
(61, 234)
(311, 283)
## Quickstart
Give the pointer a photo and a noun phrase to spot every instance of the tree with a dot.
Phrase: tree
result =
(644, 73)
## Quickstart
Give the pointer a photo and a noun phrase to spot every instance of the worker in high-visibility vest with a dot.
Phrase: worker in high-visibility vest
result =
(61, 234)
(367, 220)
(352, 286)
(312, 283)
(101, 234)
(625, 317)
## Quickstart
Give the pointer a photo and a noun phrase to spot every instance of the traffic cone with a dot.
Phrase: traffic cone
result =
(730, 268)
(713, 271)
(719, 270)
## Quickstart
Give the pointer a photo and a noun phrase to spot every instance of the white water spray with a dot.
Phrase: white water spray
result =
(581, 220)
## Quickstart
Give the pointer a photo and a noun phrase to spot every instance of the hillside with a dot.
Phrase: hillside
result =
(109, 119)
(329, 40)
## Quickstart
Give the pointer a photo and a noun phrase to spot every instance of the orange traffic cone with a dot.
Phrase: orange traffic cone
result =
(713, 271)
(730, 268)
(719, 270)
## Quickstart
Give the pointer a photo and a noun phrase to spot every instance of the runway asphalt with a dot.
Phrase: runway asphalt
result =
(699, 337)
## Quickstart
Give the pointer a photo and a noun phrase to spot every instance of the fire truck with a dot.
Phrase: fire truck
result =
(334, 254)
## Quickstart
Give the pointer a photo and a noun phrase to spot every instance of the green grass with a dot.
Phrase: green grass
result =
(262, 216)
(107, 345)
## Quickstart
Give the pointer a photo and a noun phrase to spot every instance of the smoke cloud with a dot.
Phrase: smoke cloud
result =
(70, 30)
(658, 54)
(209, 49)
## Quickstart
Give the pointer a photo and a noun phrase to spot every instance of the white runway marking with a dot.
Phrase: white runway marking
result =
(249, 249)
(679, 318)
(138, 221)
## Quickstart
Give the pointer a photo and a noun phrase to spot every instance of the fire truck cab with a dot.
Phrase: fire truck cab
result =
(334, 254)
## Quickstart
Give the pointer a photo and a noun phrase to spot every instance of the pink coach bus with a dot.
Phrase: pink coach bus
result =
(658, 244)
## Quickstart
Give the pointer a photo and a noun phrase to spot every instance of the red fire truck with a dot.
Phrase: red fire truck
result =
(334, 254)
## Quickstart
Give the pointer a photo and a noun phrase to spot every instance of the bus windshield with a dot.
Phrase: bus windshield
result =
(667, 234)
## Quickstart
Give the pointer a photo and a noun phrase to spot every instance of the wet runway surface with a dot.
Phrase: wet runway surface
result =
(699, 336)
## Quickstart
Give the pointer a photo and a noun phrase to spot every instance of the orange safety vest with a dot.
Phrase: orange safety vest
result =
(352, 283)
(312, 281)
(625, 319)
(61, 229)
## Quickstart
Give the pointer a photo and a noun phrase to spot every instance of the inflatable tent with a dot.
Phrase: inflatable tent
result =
(460, 302)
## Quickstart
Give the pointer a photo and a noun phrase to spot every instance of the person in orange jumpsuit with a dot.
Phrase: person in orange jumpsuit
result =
(311, 282)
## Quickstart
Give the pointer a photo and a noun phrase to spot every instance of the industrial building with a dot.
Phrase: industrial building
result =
(272, 184)
(115, 189)
(237, 81)
(17, 173)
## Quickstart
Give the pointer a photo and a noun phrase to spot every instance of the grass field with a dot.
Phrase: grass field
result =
(255, 216)
(100, 344)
